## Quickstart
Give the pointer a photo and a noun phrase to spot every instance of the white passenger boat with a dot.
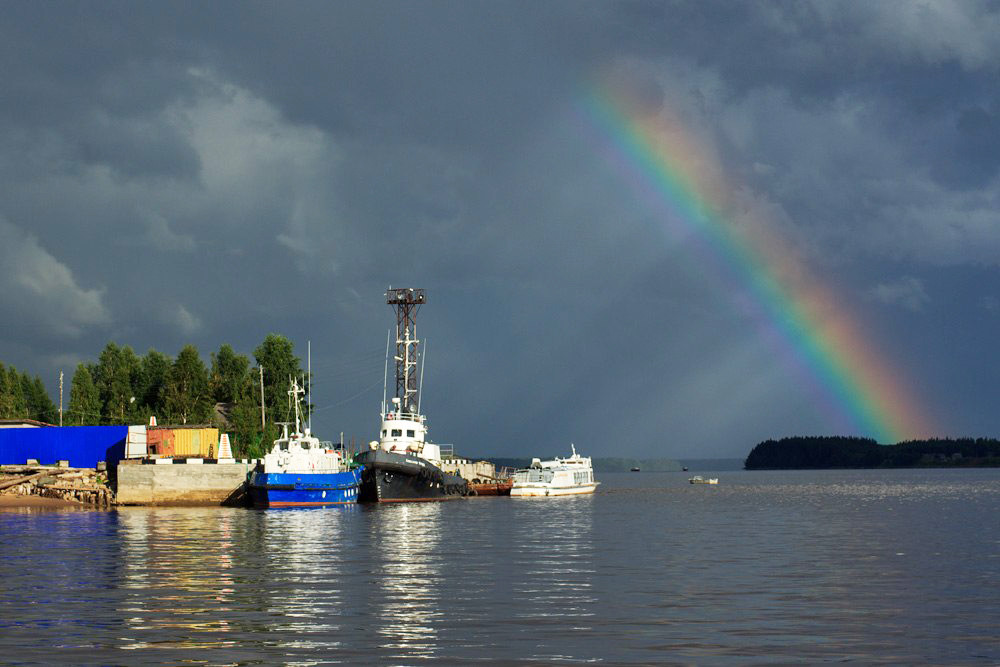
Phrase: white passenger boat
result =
(698, 479)
(559, 477)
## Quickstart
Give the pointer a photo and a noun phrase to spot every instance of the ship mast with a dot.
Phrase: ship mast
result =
(406, 302)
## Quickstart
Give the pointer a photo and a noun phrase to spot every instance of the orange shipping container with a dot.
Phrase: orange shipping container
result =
(181, 441)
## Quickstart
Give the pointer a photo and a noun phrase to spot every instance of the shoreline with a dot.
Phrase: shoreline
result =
(12, 501)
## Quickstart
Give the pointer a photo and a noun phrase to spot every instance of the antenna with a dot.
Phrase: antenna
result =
(385, 371)
(406, 302)
(309, 391)
(423, 360)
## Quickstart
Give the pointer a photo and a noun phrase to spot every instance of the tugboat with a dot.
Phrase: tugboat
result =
(301, 470)
(401, 466)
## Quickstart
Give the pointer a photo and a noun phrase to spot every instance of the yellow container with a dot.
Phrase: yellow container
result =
(203, 442)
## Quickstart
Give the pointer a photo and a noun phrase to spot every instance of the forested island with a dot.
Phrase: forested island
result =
(799, 453)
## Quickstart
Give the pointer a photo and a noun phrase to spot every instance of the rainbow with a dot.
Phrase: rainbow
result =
(863, 395)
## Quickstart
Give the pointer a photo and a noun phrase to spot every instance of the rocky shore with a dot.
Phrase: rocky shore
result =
(21, 485)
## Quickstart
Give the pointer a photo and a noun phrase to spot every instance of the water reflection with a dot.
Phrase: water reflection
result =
(555, 561)
(307, 555)
(406, 539)
(177, 575)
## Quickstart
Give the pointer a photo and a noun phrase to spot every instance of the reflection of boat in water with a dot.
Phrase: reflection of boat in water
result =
(302, 471)
(698, 479)
(559, 477)
(402, 466)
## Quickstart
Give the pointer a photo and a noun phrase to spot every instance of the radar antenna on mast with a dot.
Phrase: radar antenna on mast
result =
(407, 302)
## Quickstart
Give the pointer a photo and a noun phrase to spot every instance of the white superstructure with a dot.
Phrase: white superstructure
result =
(559, 477)
(405, 432)
(299, 451)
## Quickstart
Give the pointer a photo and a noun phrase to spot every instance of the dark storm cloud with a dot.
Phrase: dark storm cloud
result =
(182, 172)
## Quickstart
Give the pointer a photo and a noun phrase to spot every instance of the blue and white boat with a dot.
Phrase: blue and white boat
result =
(302, 471)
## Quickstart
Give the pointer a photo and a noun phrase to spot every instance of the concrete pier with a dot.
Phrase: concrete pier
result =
(182, 484)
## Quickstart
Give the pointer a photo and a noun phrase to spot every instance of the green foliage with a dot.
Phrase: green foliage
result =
(116, 370)
(229, 375)
(124, 388)
(40, 405)
(275, 355)
(84, 399)
(187, 393)
(150, 386)
(13, 404)
(849, 452)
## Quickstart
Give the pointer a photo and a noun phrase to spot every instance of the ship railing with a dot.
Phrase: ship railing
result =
(447, 452)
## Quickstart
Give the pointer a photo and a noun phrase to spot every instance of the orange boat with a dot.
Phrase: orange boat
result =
(491, 487)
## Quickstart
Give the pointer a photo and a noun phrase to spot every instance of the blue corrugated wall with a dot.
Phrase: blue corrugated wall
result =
(82, 446)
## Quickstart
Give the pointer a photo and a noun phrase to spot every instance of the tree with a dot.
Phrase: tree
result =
(229, 374)
(187, 393)
(116, 368)
(40, 405)
(244, 423)
(13, 404)
(84, 400)
(280, 364)
(150, 386)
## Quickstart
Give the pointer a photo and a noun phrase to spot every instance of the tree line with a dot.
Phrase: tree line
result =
(125, 388)
(819, 452)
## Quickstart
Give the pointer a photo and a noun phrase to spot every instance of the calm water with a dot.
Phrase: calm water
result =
(897, 566)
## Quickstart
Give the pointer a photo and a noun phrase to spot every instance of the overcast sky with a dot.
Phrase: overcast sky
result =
(209, 173)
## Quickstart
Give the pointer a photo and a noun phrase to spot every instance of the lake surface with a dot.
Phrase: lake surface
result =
(897, 566)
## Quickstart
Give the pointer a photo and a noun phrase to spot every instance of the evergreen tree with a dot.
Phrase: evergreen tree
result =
(40, 405)
(15, 405)
(154, 368)
(187, 393)
(84, 399)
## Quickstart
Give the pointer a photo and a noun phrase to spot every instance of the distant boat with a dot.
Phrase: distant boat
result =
(559, 477)
(685, 468)
(634, 470)
(698, 479)
(302, 471)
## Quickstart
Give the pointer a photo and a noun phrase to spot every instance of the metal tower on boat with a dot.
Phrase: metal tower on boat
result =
(406, 302)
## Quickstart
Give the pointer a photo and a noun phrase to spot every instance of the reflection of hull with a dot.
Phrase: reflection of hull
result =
(389, 477)
(288, 489)
(546, 490)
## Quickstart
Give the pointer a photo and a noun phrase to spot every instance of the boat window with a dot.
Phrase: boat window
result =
(411, 433)
(283, 446)
(397, 432)
(384, 432)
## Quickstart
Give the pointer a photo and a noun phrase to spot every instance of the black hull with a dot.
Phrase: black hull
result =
(394, 478)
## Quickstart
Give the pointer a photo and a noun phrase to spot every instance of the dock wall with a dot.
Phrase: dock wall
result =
(209, 484)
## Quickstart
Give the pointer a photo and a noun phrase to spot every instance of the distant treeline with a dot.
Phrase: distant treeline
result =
(125, 388)
(601, 464)
(850, 452)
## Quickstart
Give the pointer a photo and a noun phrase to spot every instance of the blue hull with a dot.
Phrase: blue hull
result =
(279, 489)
